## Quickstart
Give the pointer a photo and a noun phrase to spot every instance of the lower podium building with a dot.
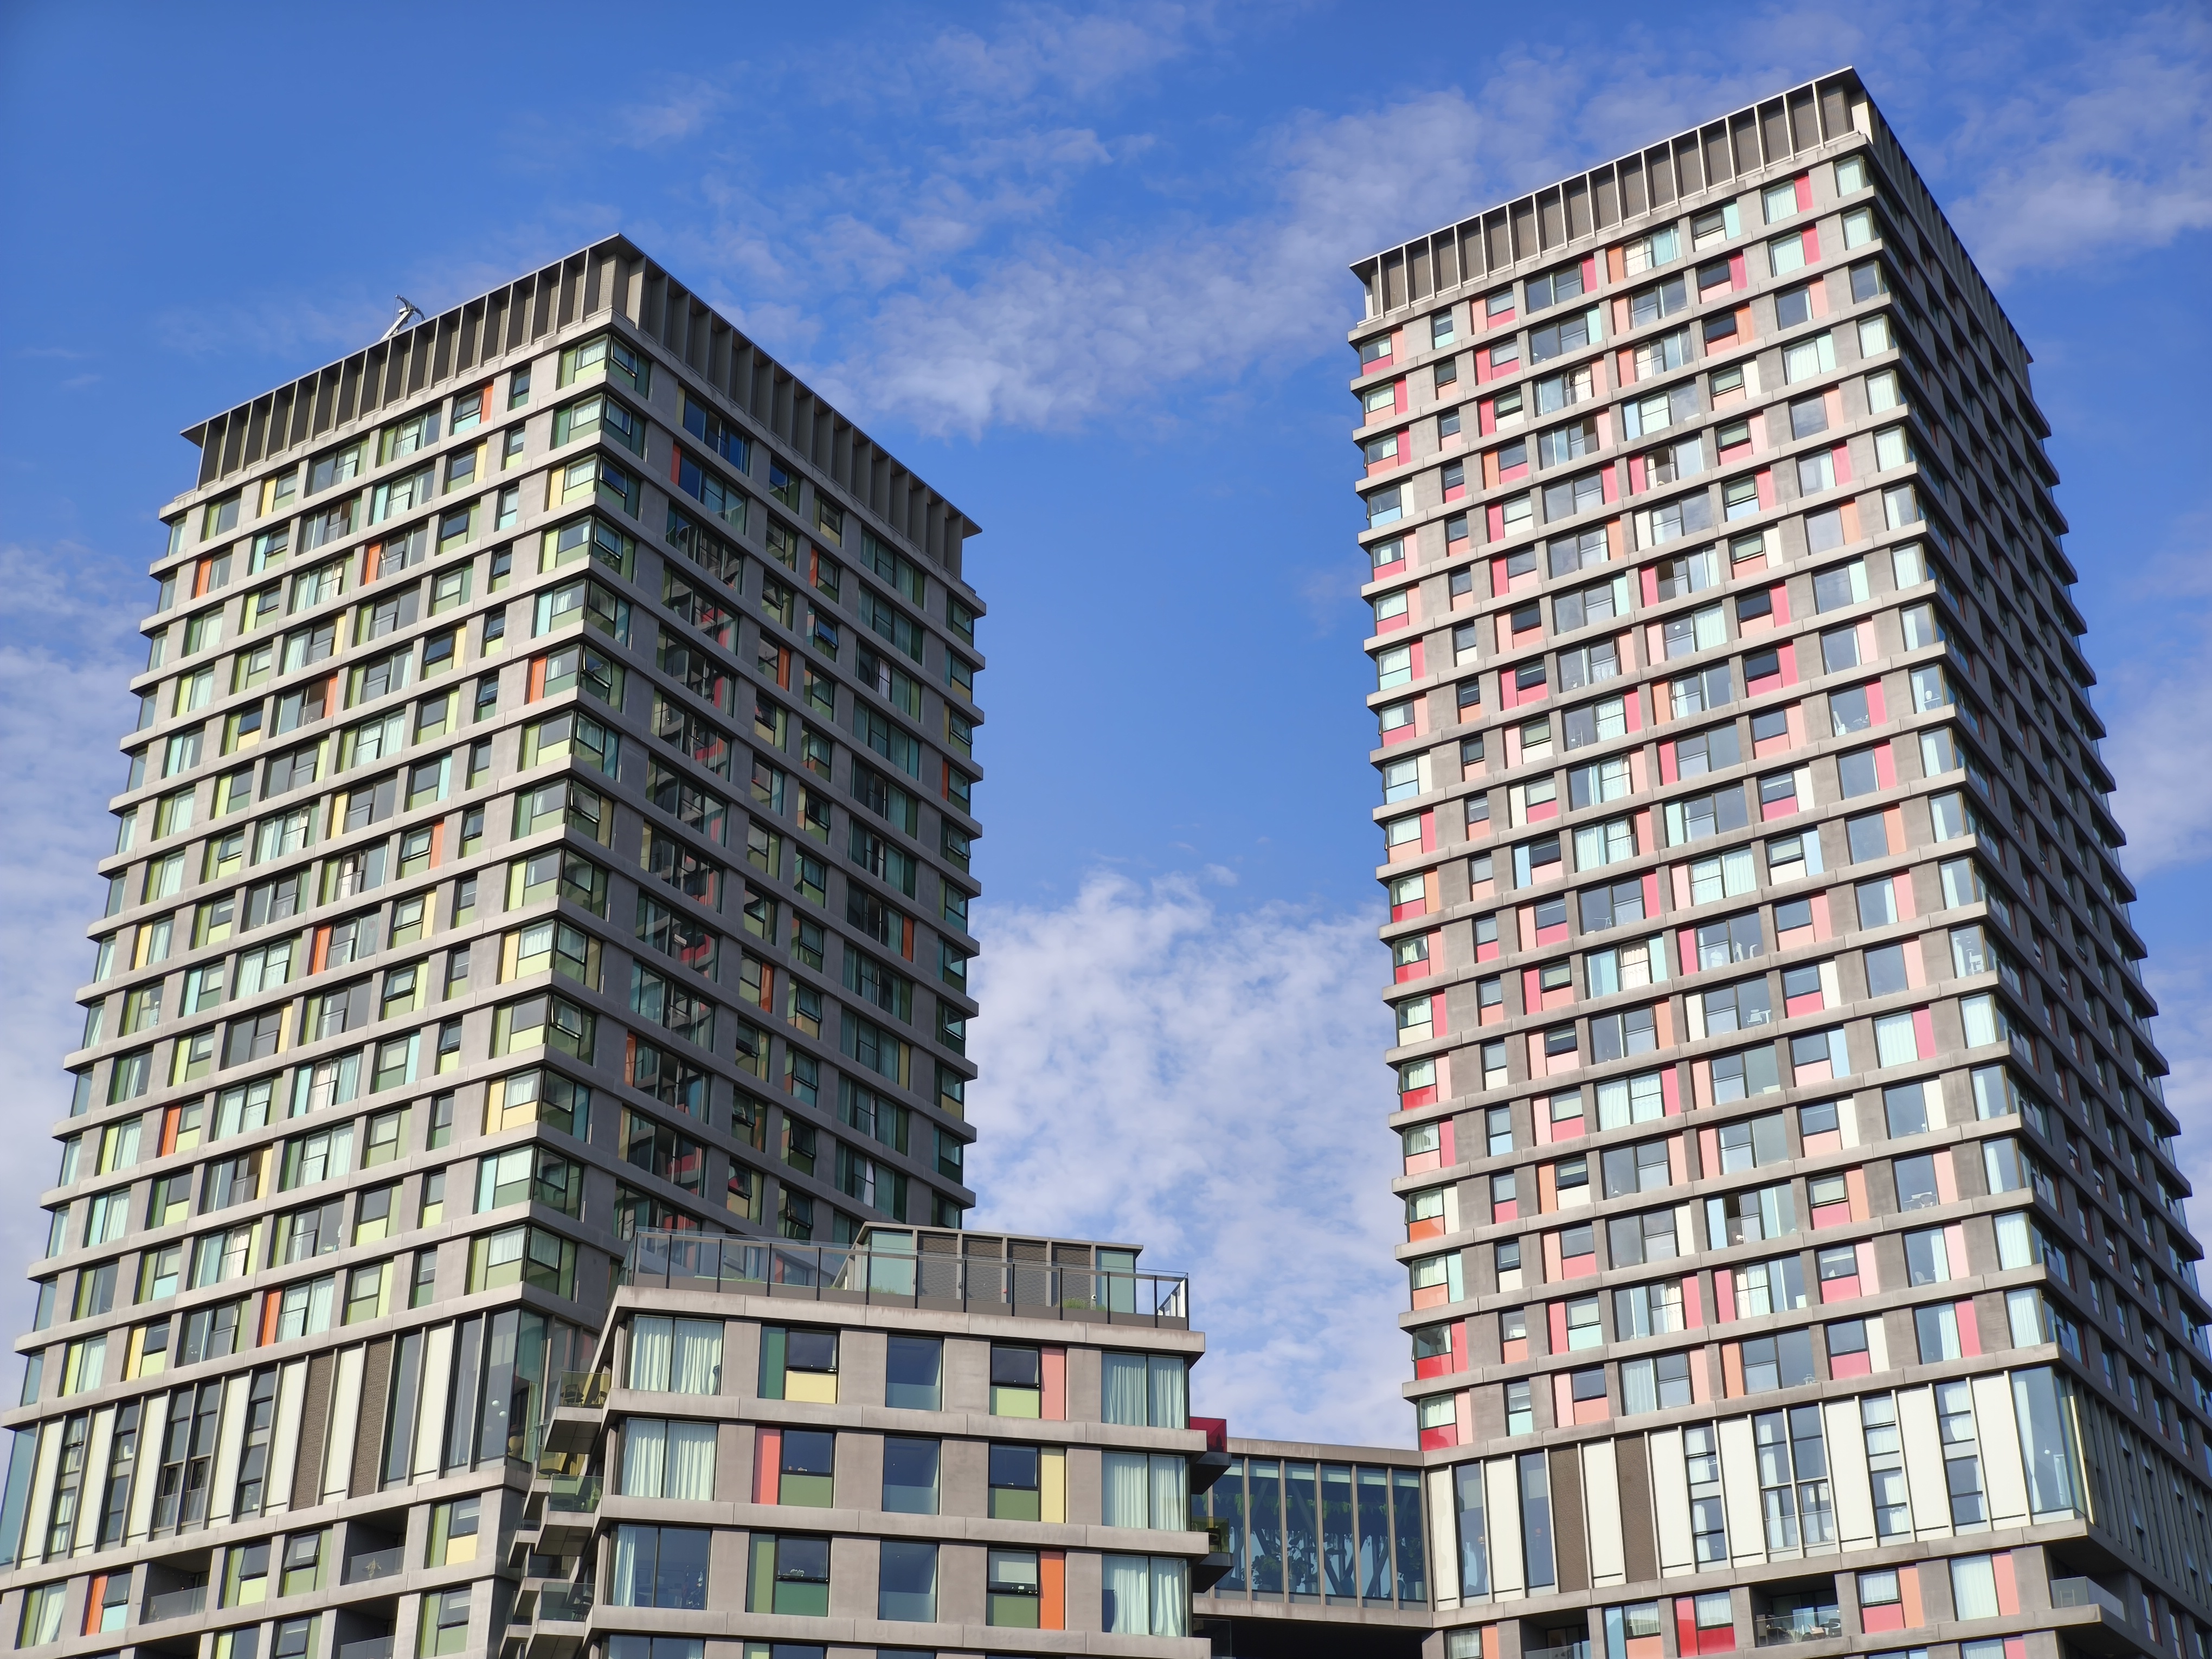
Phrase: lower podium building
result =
(934, 1442)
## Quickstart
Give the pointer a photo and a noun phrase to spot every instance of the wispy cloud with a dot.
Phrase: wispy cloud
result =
(1241, 262)
(2182, 984)
(2103, 149)
(1057, 333)
(1208, 1086)
(1044, 51)
(684, 106)
(275, 325)
(65, 657)
(2157, 705)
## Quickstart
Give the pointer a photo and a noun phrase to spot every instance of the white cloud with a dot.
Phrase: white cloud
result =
(2182, 984)
(2161, 752)
(1054, 51)
(1210, 1087)
(2156, 704)
(2105, 149)
(1055, 334)
(63, 706)
(685, 107)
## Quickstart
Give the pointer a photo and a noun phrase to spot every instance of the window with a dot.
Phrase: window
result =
(1793, 1467)
(906, 1582)
(1016, 1381)
(1145, 1390)
(1017, 1480)
(676, 1356)
(910, 1475)
(1634, 1240)
(1014, 1590)
(1962, 1463)
(666, 1567)
(912, 1371)
(671, 1458)
(1570, 334)
(1555, 287)
(444, 1627)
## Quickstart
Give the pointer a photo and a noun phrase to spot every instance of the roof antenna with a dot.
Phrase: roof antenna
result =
(408, 311)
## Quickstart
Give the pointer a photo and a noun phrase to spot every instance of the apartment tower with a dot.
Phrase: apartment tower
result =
(1794, 1236)
(548, 818)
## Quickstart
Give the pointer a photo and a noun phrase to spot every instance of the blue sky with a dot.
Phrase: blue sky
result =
(1084, 268)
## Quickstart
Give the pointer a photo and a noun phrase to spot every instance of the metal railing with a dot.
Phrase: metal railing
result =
(1803, 1625)
(564, 1604)
(572, 1494)
(2086, 1593)
(177, 1603)
(375, 1563)
(829, 1273)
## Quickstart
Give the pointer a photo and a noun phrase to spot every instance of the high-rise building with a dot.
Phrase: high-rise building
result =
(1795, 1243)
(1794, 1232)
(548, 817)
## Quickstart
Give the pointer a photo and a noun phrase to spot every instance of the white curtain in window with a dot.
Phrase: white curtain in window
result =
(691, 1459)
(696, 1366)
(649, 1342)
(1125, 1388)
(1128, 1595)
(1124, 1503)
(633, 1551)
(1170, 1597)
(1171, 1499)
(1974, 1587)
(645, 1458)
(1171, 1403)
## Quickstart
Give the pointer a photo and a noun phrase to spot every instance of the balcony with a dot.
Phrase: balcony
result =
(374, 1565)
(2086, 1593)
(368, 1647)
(176, 1603)
(1568, 1651)
(564, 1604)
(572, 1494)
(1774, 1630)
(825, 1273)
(585, 1389)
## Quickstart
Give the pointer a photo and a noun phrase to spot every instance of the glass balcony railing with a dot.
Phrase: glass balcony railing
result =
(572, 1494)
(2086, 1593)
(371, 1564)
(564, 1604)
(826, 1273)
(368, 1647)
(176, 1603)
(1771, 1630)
(584, 1388)
(1565, 1651)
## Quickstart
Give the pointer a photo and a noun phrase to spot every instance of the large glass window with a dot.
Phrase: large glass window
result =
(1146, 1390)
(906, 1582)
(910, 1475)
(662, 1459)
(676, 1356)
(661, 1567)
(1145, 1595)
(1793, 1478)
(1145, 1490)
